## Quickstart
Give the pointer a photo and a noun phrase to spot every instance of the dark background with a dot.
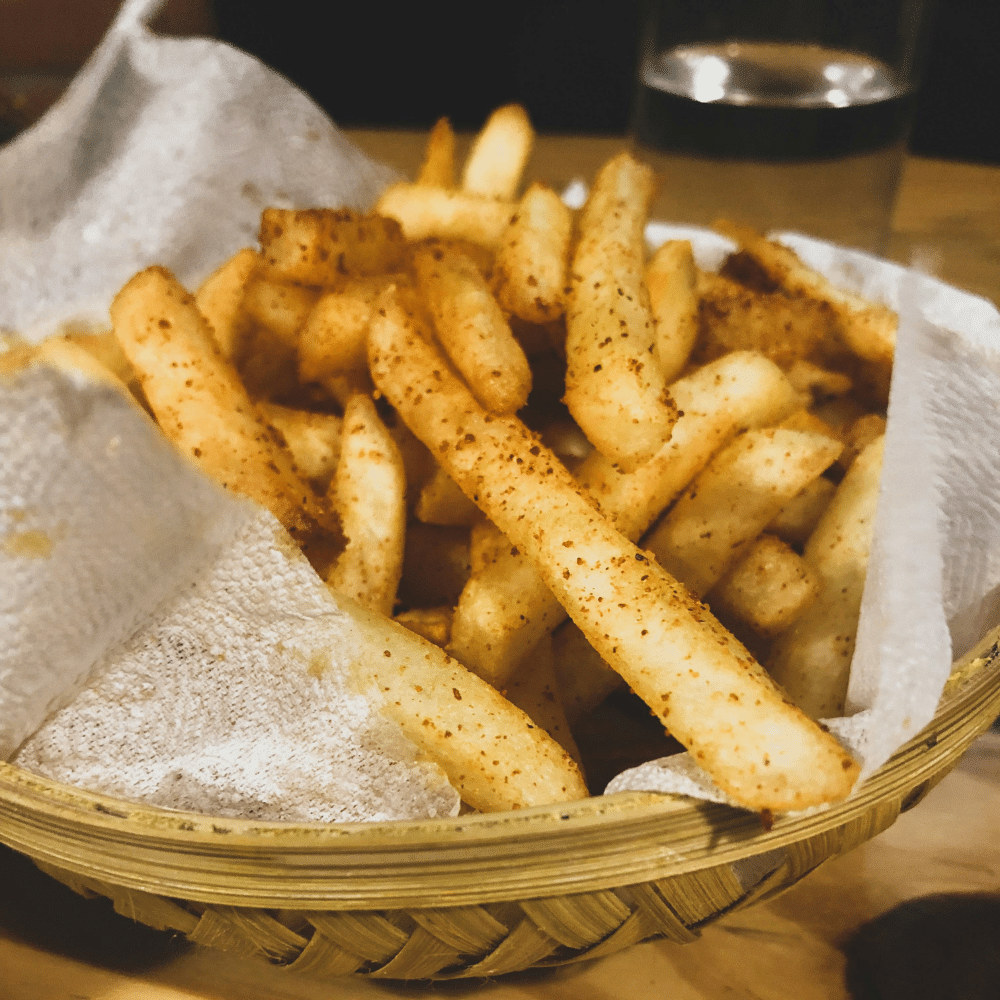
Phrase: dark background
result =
(570, 62)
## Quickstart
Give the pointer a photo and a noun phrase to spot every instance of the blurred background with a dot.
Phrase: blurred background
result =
(570, 62)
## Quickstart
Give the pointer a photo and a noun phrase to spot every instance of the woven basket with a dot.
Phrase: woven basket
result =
(479, 895)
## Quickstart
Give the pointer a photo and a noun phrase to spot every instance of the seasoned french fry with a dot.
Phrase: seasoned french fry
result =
(282, 308)
(799, 516)
(534, 688)
(614, 386)
(434, 624)
(369, 493)
(319, 246)
(499, 154)
(694, 675)
(820, 383)
(332, 340)
(768, 587)
(220, 301)
(425, 212)
(812, 658)
(438, 168)
(202, 407)
(673, 297)
(867, 328)
(733, 499)
(585, 680)
(492, 753)
(859, 435)
(472, 329)
(506, 608)
(529, 278)
(312, 438)
(442, 502)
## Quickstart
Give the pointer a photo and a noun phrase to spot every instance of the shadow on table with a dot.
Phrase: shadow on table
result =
(945, 947)
(39, 911)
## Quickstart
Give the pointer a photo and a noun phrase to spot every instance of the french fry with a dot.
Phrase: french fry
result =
(859, 435)
(672, 282)
(798, 517)
(529, 278)
(614, 386)
(506, 607)
(220, 301)
(312, 438)
(426, 212)
(733, 499)
(491, 752)
(442, 502)
(282, 308)
(438, 168)
(319, 246)
(812, 658)
(867, 328)
(585, 680)
(434, 624)
(201, 405)
(701, 683)
(499, 154)
(369, 493)
(472, 328)
(820, 383)
(534, 688)
(768, 587)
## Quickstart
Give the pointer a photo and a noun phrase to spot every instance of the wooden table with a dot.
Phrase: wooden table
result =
(55, 946)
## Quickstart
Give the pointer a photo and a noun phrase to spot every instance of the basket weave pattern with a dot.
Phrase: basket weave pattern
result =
(476, 896)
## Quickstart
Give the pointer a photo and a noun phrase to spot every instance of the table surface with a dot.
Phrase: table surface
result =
(56, 946)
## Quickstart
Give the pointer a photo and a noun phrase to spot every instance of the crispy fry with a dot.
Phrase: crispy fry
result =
(799, 516)
(438, 168)
(442, 502)
(425, 212)
(434, 624)
(614, 386)
(812, 659)
(499, 154)
(671, 280)
(585, 680)
(220, 301)
(867, 328)
(694, 675)
(312, 438)
(733, 499)
(489, 749)
(472, 329)
(203, 408)
(318, 246)
(529, 279)
(768, 587)
(369, 493)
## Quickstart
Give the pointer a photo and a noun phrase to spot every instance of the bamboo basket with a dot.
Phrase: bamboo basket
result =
(479, 895)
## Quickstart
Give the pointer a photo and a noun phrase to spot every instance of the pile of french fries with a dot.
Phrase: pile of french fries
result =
(547, 455)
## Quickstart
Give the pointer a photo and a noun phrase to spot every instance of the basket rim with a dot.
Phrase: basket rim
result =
(613, 840)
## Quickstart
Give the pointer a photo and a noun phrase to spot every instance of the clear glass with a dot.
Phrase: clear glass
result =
(791, 114)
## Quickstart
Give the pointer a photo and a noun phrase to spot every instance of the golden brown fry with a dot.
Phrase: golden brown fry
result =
(812, 658)
(472, 329)
(585, 680)
(318, 246)
(201, 405)
(820, 383)
(434, 624)
(799, 516)
(312, 438)
(534, 688)
(733, 499)
(867, 328)
(499, 154)
(695, 676)
(614, 386)
(282, 308)
(426, 212)
(369, 493)
(768, 587)
(220, 301)
(442, 502)
(671, 279)
(493, 755)
(438, 168)
(529, 278)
